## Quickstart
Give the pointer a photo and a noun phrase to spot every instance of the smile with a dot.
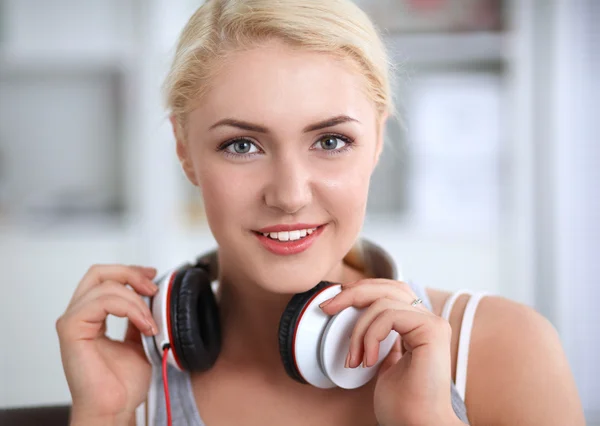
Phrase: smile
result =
(289, 235)
(289, 239)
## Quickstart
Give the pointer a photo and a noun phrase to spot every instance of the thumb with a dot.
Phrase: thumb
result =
(133, 334)
(392, 358)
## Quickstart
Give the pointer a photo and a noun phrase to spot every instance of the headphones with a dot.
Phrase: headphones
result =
(313, 345)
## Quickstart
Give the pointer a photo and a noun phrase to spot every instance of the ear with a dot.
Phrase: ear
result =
(183, 151)
(380, 136)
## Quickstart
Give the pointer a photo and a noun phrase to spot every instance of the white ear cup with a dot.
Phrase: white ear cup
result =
(335, 345)
(152, 353)
(307, 339)
(321, 343)
(153, 345)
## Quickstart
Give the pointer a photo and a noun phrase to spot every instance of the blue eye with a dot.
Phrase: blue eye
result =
(333, 144)
(241, 146)
(330, 142)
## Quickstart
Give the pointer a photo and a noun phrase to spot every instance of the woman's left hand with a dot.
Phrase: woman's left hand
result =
(413, 382)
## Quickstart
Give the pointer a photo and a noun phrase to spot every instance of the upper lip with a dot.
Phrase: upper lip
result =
(283, 228)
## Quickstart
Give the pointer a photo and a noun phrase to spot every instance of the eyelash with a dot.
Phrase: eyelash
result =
(348, 141)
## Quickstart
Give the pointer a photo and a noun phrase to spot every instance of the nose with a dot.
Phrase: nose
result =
(289, 188)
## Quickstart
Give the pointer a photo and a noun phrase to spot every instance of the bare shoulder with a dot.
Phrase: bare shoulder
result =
(517, 372)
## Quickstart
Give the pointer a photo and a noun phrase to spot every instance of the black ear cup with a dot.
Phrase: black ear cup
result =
(287, 327)
(194, 320)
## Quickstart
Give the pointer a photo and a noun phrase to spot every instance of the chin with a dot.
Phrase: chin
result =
(283, 281)
(294, 277)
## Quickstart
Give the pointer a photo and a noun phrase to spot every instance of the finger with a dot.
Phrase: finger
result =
(386, 281)
(132, 334)
(398, 345)
(97, 274)
(393, 357)
(361, 296)
(114, 288)
(148, 271)
(362, 325)
(417, 329)
(364, 281)
(86, 322)
(138, 277)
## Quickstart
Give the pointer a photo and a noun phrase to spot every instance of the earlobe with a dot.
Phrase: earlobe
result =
(183, 152)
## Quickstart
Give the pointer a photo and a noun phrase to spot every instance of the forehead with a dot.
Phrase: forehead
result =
(274, 82)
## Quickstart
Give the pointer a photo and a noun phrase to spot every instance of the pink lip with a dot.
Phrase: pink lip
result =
(286, 248)
(281, 228)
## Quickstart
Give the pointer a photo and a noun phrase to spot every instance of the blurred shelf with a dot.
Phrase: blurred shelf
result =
(447, 48)
(85, 226)
(381, 225)
(17, 60)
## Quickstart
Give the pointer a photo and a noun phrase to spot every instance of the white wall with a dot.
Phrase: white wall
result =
(40, 271)
(577, 201)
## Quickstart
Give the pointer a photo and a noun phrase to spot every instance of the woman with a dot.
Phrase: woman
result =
(278, 110)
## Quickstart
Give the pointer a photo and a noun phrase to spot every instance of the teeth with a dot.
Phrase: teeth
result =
(289, 236)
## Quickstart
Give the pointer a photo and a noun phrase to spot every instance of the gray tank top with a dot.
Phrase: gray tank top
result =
(184, 410)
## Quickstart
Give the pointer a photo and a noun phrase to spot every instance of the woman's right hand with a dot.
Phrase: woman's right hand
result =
(108, 379)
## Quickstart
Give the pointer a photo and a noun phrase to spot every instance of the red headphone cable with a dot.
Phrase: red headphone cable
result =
(166, 384)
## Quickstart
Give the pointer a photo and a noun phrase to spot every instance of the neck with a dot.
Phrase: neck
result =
(250, 318)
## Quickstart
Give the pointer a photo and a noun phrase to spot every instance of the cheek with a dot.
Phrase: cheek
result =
(346, 190)
(225, 195)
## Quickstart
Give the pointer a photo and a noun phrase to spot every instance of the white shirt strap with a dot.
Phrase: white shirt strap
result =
(450, 303)
(464, 341)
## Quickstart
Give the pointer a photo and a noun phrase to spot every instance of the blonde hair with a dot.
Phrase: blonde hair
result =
(335, 27)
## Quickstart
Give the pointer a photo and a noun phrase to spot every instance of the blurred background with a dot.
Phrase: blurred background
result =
(488, 183)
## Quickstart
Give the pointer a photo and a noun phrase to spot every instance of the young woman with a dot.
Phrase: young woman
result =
(278, 110)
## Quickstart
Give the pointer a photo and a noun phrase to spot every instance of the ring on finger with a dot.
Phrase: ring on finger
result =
(416, 302)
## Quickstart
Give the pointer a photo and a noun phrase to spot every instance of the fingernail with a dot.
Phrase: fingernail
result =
(150, 327)
(347, 363)
(351, 360)
(325, 303)
(151, 324)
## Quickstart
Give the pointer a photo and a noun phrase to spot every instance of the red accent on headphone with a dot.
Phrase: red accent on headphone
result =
(296, 329)
(169, 289)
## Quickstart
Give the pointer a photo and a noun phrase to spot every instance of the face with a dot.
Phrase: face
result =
(284, 140)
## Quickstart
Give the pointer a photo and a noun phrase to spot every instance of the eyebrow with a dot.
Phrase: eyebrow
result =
(330, 122)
